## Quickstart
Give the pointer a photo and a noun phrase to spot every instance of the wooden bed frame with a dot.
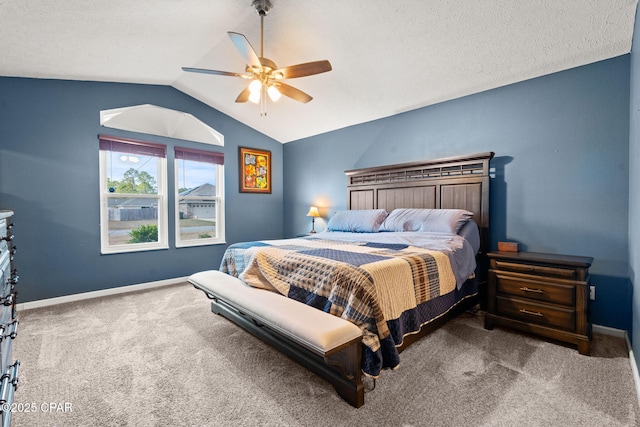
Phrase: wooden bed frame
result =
(451, 183)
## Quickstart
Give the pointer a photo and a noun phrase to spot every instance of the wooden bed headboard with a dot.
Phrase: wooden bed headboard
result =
(451, 183)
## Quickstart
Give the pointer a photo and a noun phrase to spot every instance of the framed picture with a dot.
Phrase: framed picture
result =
(255, 170)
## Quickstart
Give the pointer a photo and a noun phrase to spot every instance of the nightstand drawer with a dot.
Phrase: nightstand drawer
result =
(540, 270)
(531, 288)
(541, 314)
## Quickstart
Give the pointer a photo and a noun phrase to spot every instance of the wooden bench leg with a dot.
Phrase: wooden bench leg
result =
(347, 363)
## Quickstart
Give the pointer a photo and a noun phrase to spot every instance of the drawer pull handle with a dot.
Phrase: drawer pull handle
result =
(533, 313)
(537, 291)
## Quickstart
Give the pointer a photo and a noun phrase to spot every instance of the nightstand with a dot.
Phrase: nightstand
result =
(543, 294)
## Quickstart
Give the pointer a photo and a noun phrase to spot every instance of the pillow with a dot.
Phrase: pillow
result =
(471, 234)
(433, 220)
(361, 221)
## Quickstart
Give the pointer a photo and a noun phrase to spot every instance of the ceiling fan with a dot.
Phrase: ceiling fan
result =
(265, 77)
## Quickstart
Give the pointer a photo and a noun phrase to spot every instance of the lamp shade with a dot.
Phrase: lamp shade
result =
(254, 97)
(313, 211)
(274, 93)
(255, 86)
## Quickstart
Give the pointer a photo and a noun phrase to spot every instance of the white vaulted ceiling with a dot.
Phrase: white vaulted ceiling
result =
(387, 56)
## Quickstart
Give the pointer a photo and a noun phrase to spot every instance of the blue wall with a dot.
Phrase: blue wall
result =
(634, 188)
(560, 175)
(49, 177)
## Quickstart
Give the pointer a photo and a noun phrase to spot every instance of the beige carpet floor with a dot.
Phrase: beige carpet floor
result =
(161, 358)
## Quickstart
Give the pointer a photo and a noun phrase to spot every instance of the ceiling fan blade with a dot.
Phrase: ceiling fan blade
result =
(244, 47)
(293, 93)
(219, 73)
(306, 69)
(244, 95)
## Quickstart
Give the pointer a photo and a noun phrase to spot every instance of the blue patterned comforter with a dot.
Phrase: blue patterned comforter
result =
(388, 288)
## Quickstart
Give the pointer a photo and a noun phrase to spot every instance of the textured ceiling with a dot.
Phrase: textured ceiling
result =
(387, 56)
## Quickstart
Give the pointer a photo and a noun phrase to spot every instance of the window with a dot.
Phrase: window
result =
(133, 202)
(199, 197)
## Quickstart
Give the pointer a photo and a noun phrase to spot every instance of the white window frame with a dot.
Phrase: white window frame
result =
(219, 201)
(160, 197)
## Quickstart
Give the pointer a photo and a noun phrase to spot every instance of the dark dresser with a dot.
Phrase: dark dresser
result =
(8, 318)
(542, 294)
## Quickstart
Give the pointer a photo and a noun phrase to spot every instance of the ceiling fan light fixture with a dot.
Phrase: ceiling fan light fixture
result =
(274, 93)
(254, 97)
(264, 75)
(255, 86)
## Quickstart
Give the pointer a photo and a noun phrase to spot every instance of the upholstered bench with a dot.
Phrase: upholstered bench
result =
(326, 344)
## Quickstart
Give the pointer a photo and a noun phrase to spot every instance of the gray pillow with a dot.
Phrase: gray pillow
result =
(429, 220)
(360, 221)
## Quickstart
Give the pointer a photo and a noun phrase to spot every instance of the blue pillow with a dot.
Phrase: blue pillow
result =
(360, 221)
(429, 220)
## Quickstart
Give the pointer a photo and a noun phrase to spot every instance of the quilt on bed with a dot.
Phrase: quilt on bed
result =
(383, 288)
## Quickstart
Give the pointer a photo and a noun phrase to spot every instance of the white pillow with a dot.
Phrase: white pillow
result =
(432, 220)
(360, 221)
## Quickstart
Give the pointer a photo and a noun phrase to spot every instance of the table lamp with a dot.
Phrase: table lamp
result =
(313, 213)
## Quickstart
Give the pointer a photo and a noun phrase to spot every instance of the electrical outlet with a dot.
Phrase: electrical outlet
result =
(592, 292)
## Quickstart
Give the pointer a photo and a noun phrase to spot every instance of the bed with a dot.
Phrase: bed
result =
(404, 258)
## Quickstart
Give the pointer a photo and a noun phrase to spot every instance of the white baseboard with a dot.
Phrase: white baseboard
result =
(620, 333)
(634, 367)
(96, 294)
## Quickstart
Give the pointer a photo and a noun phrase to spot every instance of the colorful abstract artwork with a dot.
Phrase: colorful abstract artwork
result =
(255, 170)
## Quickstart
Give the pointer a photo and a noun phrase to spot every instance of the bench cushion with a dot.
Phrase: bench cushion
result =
(312, 328)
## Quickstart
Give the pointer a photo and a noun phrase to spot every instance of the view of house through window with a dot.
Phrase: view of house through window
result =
(133, 195)
(134, 208)
(199, 197)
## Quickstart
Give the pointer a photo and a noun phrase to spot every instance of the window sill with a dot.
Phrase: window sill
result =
(121, 250)
(200, 243)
